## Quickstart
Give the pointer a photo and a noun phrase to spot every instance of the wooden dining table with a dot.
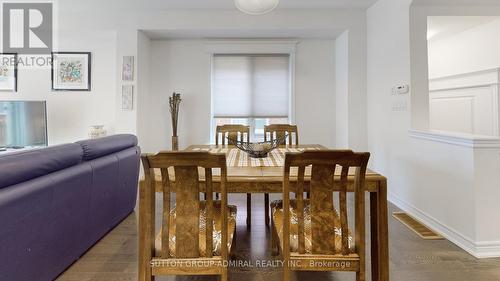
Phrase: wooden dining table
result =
(247, 175)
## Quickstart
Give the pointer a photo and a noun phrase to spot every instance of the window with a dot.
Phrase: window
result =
(252, 90)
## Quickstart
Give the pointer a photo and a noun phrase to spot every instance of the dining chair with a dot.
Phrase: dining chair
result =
(234, 132)
(193, 232)
(312, 234)
(290, 136)
(231, 133)
(279, 131)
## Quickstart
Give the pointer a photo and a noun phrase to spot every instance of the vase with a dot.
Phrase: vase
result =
(97, 131)
(175, 143)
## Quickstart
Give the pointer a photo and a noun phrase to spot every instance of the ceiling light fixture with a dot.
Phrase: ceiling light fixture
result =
(256, 7)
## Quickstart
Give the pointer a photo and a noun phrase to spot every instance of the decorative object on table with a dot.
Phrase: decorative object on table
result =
(174, 103)
(127, 97)
(71, 71)
(97, 131)
(128, 68)
(258, 149)
(8, 72)
(256, 7)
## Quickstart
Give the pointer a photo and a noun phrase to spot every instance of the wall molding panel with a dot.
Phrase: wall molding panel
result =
(466, 103)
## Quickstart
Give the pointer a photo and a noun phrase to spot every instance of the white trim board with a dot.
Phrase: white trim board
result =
(482, 249)
(465, 80)
(466, 140)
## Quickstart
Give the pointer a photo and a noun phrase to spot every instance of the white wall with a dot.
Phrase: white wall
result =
(148, 123)
(127, 45)
(315, 91)
(342, 90)
(184, 66)
(459, 61)
(473, 50)
(432, 176)
(328, 22)
(70, 114)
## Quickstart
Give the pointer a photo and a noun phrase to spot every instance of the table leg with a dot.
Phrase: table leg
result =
(374, 222)
(249, 209)
(379, 233)
(266, 210)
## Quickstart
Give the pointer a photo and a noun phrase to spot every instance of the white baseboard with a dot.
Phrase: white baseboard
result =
(483, 249)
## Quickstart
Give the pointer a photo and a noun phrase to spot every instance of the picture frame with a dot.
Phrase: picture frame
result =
(71, 71)
(8, 72)
(128, 68)
(127, 97)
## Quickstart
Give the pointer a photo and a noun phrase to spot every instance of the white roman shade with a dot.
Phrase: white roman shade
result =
(251, 86)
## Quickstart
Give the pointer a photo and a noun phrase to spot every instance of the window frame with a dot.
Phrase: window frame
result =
(246, 47)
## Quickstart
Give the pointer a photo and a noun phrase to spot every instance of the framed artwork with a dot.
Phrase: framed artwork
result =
(128, 68)
(8, 72)
(71, 71)
(127, 97)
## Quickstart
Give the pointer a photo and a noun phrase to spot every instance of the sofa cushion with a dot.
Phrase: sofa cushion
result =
(30, 164)
(96, 148)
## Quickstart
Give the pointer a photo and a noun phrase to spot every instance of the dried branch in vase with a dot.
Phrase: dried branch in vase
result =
(174, 102)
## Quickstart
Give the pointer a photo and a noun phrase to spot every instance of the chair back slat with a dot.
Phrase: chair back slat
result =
(231, 133)
(185, 182)
(343, 209)
(224, 220)
(300, 209)
(165, 241)
(188, 212)
(329, 174)
(279, 131)
(322, 210)
(210, 212)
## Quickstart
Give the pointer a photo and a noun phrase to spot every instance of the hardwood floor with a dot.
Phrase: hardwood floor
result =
(114, 258)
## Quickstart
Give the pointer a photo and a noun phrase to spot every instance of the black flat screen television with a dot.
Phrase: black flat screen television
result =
(23, 123)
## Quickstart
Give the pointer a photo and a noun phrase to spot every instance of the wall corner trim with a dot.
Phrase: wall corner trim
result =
(466, 140)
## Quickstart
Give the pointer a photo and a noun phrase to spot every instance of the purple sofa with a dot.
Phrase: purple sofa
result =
(56, 202)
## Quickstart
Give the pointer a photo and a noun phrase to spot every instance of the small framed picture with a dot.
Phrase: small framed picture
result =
(8, 72)
(127, 97)
(128, 68)
(71, 71)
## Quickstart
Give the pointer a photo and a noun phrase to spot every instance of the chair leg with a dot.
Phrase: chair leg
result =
(224, 275)
(145, 274)
(274, 239)
(249, 209)
(287, 273)
(266, 206)
(216, 196)
(308, 195)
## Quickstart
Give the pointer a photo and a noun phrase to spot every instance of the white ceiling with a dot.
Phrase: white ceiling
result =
(445, 26)
(206, 4)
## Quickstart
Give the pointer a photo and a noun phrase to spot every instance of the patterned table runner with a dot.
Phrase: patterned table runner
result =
(238, 158)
